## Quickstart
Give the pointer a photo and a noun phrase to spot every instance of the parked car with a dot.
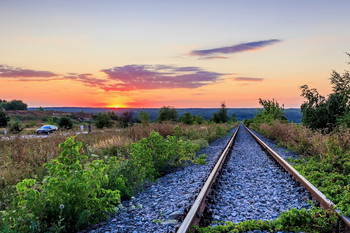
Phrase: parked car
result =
(46, 129)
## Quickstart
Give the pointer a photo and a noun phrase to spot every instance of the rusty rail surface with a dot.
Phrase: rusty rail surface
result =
(317, 194)
(194, 214)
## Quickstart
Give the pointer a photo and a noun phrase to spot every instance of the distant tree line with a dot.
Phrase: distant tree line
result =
(166, 113)
(13, 105)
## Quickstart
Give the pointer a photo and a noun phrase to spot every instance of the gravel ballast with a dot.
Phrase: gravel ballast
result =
(253, 186)
(159, 206)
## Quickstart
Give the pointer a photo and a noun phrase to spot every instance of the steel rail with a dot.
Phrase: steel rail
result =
(197, 208)
(317, 194)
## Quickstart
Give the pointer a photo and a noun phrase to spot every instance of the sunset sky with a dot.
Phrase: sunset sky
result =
(175, 53)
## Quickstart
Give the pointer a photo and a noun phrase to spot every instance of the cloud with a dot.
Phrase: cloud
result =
(247, 79)
(23, 74)
(125, 78)
(143, 77)
(211, 58)
(234, 48)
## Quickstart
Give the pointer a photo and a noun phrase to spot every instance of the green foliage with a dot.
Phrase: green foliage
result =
(270, 112)
(16, 127)
(327, 113)
(69, 198)
(65, 123)
(3, 119)
(157, 155)
(247, 122)
(330, 173)
(144, 118)
(167, 113)
(198, 120)
(126, 119)
(103, 120)
(187, 119)
(221, 116)
(13, 105)
(52, 120)
(293, 220)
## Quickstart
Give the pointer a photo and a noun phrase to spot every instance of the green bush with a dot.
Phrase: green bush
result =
(103, 120)
(293, 220)
(16, 127)
(70, 197)
(144, 117)
(187, 118)
(167, 113)
(330, 174)
(3, 118)
(65, 123)
(221, 116)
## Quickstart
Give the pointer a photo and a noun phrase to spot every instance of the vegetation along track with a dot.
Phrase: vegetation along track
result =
(252, 184)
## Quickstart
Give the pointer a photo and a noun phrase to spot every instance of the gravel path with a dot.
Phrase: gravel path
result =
(252, 186)
(158, 207)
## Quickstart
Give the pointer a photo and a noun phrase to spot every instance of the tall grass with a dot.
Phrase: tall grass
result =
(22, 158)
(325, 160)
(103, 167)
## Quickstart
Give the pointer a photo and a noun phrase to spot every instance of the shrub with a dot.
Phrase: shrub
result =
(3, 119)
(70, 197)
(126, 119)
(16, 127)
(293, 220)
(221, 116)
(144, 118)
(187, 118)
(167, 113)
(103, 120)
(65, 123)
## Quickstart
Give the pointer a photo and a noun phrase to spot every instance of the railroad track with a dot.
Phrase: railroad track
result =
(197, 212)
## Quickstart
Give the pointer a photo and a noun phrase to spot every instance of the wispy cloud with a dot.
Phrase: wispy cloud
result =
(24, 74)
(214, 57)
(234, 48)
(125, 78)
(247, 79)
(142, 77)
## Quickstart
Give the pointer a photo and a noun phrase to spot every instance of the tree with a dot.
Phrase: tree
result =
(3, 119)
(126, 119)
(198, 120)
(221, 116)
(144, 118)
(272, 108)
(103, 120)
(65, 123)
(187, 118)
(270, 112)
(327, 113)
(167, 113)
(16, 127)
(13, 105)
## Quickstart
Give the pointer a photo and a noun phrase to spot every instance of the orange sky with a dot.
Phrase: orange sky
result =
(183, 54)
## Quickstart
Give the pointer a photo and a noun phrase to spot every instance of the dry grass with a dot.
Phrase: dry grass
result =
(23, 157)
(303, 140)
